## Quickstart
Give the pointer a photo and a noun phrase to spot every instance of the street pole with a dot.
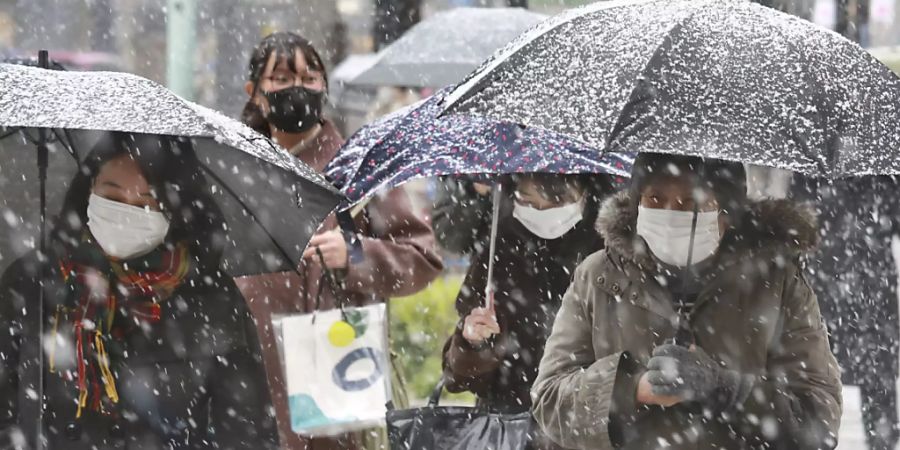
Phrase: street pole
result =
(393, 18)
(181, 41)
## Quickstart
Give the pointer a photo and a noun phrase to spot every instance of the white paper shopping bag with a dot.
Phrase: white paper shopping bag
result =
(337, 369)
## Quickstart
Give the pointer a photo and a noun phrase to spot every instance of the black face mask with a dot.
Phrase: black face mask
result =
(295, 109)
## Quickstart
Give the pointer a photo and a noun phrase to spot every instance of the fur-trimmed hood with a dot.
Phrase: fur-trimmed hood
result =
(768, 225)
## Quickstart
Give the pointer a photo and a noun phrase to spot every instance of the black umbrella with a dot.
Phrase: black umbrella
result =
(723, 79)
(271, 203)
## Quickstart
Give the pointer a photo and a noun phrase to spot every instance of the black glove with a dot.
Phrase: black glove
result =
(693, 375)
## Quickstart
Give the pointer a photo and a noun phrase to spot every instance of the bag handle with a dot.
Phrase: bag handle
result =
(435, 397)
(327, 275)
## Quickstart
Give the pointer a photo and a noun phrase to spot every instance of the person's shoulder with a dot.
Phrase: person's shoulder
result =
(599, 268)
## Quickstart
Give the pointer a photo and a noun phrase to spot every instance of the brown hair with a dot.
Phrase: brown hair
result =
(283, 44)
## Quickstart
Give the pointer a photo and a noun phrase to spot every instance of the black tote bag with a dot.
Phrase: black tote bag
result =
(436, 427)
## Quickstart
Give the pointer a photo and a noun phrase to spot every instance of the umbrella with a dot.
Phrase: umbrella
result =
(352, 66)
(256, 177)
(443, 49)
(730, 80)
(415, 143)
(271, 203)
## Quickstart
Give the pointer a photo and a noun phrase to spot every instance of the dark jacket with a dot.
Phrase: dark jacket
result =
(855, 276)
(531, 276)
(756, 314)
(397, 258)
(461, 217)
(195, 370)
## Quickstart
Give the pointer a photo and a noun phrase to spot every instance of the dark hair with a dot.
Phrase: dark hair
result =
(595, 188)
(282, 44)
(726, 180)
(171, 169)
(555, 186)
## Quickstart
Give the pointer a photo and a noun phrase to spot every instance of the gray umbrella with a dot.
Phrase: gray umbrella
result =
(723, 79)
(258, 178)
(270, 203)
(443, 49)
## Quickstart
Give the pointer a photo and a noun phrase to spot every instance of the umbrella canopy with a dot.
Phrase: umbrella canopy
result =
(272, 202)
(731, 80)
(352, 66)
(415, 143)
(444, 48)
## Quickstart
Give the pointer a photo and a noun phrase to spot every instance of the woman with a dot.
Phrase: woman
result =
(385, 251)
(729, 353)
(150, 346)
(545, 231)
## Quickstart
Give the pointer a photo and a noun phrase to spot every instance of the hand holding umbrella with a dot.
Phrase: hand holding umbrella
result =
(479, 326)
(333, 247)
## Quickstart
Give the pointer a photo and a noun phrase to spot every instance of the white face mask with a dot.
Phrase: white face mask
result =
(668, 234)
(549, 223)
(124, 231)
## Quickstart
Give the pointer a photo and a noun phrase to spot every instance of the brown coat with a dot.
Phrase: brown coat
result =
(756, 315)
(398, 259)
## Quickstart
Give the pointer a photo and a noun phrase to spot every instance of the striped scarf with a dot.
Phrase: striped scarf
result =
(97, 287)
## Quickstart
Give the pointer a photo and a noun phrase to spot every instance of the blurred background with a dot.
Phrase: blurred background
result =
(200, 49)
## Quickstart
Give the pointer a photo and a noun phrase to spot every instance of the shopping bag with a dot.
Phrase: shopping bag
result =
(436, 427)
(337, 370)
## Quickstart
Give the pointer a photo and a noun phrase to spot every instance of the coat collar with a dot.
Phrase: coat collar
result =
(318, 151)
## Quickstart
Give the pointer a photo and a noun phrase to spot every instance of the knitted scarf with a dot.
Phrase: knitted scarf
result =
(97, 288)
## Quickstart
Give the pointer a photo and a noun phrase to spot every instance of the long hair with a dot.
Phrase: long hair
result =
(282, 44)
(172, 171)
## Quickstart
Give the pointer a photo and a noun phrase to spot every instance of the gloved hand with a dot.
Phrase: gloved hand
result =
(692, 374)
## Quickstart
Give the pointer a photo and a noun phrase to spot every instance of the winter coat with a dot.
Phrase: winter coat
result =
(396, 257)
(531, 276)
(854, 273)
(195, 370)
(756, 314)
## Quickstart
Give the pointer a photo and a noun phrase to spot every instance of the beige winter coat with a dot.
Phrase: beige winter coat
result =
(756, 314)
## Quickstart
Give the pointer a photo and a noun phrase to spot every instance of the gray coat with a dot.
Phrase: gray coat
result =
(756, 314)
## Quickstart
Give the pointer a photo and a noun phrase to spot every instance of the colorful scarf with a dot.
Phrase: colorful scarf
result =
(96, 287)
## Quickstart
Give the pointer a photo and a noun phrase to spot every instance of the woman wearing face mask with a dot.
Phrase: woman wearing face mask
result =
(545, 231)
(385, 251)
(731, 353)
(148, 344)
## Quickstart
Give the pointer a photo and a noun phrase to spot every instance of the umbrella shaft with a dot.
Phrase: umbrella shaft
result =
(33, 410)
(495, 218)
